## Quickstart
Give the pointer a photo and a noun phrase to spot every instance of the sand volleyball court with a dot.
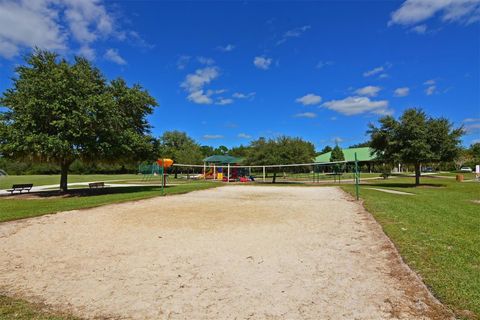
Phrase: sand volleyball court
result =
(236, 252)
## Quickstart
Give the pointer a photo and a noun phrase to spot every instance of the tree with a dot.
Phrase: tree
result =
(221, 150)
(464, 156)
(207, 151)
(240, 151)
(58, 112)
(337, 154)
(326, 149)
(282, 150)
(360, 145)
(414, 139)
(179, 147)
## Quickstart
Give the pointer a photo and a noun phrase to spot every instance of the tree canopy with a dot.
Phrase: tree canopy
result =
(415, 138)
(179, 147)
(337, 154)
(282, 150)
(59, 111)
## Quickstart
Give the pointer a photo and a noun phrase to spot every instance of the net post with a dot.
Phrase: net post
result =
(356, 177)
(263, 173)
(162, 177)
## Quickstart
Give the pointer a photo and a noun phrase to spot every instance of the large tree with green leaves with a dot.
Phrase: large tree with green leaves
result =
(415, 138)
(181, 148)
(59, 111)
(282, 150)
(337, 154)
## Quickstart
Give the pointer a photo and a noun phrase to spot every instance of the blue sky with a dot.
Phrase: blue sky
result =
(230, 72)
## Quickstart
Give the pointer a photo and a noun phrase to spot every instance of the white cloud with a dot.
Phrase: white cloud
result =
(227, 48)
(357, 105)
(87, 52)
(401, 92)
(337, 140)
(194, 84)
(51, 24)
(416, 11)
(244, 136)
(262, 62)
(370, 91)
(29, 24)
(467, 120)
(431, 90)
(224, 101)
(293, 33)
(309, 115)
(240, 95)
(431, 87)
(212, 136)
(374, 71)
(112, 55)
(206, 61)
(420, 29)
(309, 99)
(472, 128)
(322, 64)
(183, 61)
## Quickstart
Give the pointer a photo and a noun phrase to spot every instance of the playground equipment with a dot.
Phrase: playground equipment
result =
(155, 169)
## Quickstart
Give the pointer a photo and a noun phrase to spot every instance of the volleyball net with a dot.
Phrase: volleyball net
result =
(329, 172)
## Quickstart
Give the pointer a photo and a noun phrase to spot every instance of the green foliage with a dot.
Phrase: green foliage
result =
(415, 139)
(325, 149)
(240, 151)
(221, 150)
(58, 112)
(282, 150)
(361, 145)
(179, 147)
(337, 154)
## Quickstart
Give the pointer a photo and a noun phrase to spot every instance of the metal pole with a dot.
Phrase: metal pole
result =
(163, 179)
(214, 172)
(204, 171)
(357, 177)
(228, 173)
(263, 173)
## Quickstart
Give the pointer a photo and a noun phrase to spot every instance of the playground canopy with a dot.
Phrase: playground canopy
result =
(222, 159)
(363, 155)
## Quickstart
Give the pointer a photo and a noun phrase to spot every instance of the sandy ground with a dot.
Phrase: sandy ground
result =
(236, 252)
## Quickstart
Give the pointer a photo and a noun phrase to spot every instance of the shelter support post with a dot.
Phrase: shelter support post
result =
(228, 173)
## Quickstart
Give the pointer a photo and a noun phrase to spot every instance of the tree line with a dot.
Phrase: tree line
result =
(67, 116)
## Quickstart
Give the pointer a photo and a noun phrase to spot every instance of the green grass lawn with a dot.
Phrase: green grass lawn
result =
(16, 309)
(12, 209)
(41, 180)
(437, 232)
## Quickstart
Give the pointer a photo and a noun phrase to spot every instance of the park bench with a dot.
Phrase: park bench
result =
(21, 187)
(96, 185)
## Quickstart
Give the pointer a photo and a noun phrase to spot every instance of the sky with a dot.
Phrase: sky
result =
(228, 72)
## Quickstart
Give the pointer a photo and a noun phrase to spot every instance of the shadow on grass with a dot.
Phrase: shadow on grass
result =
(86, 192)
(407, 185)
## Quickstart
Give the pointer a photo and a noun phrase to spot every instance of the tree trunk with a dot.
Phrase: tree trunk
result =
(274, 177)
(64, 176)
(417, 174)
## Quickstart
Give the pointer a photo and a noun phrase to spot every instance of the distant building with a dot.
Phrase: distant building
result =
(364, 156)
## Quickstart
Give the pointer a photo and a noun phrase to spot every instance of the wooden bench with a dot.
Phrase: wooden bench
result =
(96, 185)
(21, 187)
